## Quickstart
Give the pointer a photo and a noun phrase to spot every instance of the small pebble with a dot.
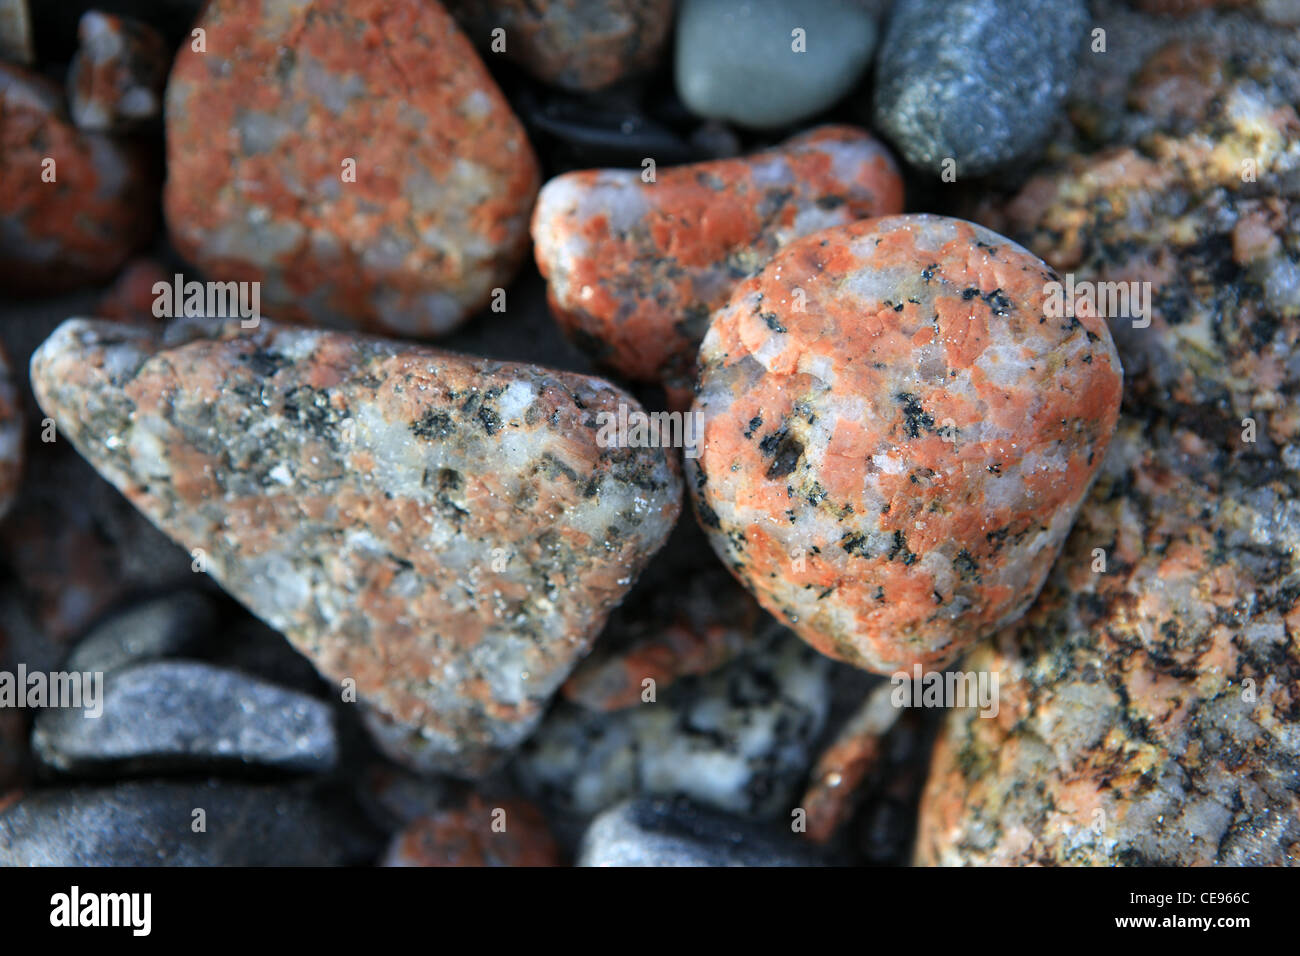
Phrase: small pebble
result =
(183, 715)
(506, 833)
(897, 435)
(635, 268)
(770, 63)
(115, 82)
(963, 89)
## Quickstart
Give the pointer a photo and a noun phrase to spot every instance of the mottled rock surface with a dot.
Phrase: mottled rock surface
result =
(115, 82)
(170, 715)
(979, 82)
(75, 221)
(1152, 704)
(767, 63)
(576, 44)
(509, 833)
(739, 739)
(153, 824)
(677, 833)
(635, 268)
(446, 532)
(260, 129)
(897, 436)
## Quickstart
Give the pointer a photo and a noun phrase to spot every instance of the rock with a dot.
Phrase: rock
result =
(131, 297)
(411, 215)
(636, 268)
(685, 616)
(183, 715)
(78, 205)
(16, 33)
(153, 824)
(11, 436)
(846, 764)
(897, 436)
(1217, 141)
(170, 625)
(511, 833)
(116, 80)
(445, 533)
(739, 739)
(769, 63)
(980, 82)
(1148, 702)
(675, 833)
(576, 44)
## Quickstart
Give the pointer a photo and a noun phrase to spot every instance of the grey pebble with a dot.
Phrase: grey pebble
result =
(980, 82)
(168, 715)
(166, 626)
(152, 823)
(677, 833)
(738, 62)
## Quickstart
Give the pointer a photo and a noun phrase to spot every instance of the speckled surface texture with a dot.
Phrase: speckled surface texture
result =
(337, 485)
(897, 436)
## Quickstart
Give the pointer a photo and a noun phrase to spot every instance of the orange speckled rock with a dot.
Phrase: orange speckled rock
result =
(78, 220)
(635, 268)
(576, 44)
(447, 532)
(897, 436)
(259, 129)
(1149, 712)
(510, 834)
(116, 79)
(11, 436)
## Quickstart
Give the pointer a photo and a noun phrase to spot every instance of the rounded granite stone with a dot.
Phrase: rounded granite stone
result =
(897, 435)
(356, 158)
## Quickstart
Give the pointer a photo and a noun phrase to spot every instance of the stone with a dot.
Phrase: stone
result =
(1218, 140)
(574, 44)
(739, 739)
(169, 625)
(11, 436)
(677, 833)
(1148, 702)
(78, 205)
(635, 268)
(507, 833)
(183, 715)
(770, 63)
(355, 158)
(897, 436)
(444, 534)
(16, 33)
(152, 823)
(979, 83)
(116, 79)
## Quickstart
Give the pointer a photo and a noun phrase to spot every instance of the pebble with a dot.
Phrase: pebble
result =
(164, 716)
(152, 823)
(446, 532)
(11, 436)
(574, 44)
(170, 625)
(355, 158)
(770, 63)
(635, 268)
(980, 83)
(1148, 712)
(508, 833)
(116, 79)
(739, 739)
(658, 833)
(897, 437)
(74, 222)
